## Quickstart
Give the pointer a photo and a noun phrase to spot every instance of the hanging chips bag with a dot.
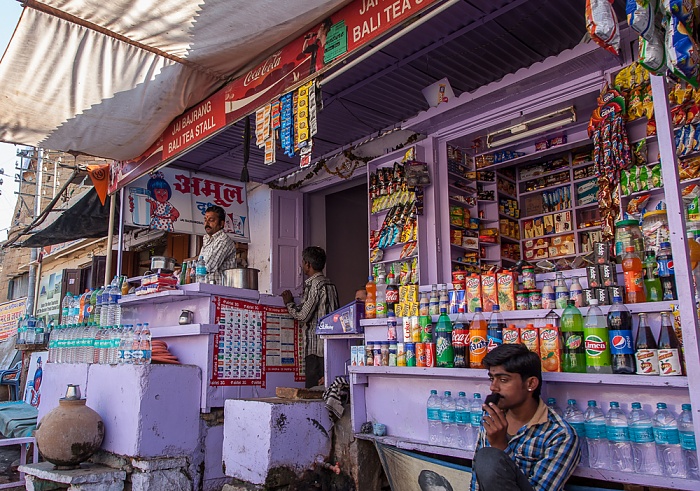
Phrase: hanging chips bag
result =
(639, 150)
(683, 59)
(681, 10)
(640, 16)
(601, 23)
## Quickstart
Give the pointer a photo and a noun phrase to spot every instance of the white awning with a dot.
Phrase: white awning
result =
(105, 78)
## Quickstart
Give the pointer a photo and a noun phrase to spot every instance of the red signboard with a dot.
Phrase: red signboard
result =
(299, 61)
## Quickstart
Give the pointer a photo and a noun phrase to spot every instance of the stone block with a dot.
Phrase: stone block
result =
(151, 465)
(85, 474)
(33, 484)
(168, 479)
(264, 435)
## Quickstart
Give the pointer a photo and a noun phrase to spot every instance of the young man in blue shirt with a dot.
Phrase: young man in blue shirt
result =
(522, 444)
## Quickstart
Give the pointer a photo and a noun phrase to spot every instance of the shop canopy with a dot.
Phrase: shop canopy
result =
(107, 78)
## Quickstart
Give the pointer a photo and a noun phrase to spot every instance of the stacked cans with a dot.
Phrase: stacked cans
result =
(416, 344)
(602, 278)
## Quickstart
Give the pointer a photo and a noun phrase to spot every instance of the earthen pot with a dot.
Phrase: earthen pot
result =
(70, 433)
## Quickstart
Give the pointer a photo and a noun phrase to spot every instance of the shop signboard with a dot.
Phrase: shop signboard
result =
(48, 304)
(306, 57)
(175, 200)
(9, 314)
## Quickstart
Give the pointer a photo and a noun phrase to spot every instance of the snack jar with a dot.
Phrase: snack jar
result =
(655, 230)
(534, 299)
(529, 278)
(521, 300)
(627, 233)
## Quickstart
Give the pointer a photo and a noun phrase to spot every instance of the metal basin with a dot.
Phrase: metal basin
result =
(241, 278)
(162, 262)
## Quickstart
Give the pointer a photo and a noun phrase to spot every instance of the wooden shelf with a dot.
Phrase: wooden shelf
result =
(503, 215)
(387, 261)
(501, 194)
(545, 214)
(550, 235)
(510, 239)
(535, 155)
(566, 168)
(547, 188)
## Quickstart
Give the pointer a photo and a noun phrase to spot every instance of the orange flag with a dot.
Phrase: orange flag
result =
(100, 179)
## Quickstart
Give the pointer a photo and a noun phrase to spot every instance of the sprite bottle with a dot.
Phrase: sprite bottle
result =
(444, 352)
(574, 356)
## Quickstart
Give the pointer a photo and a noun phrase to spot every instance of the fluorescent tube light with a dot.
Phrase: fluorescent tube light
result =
(524, 130)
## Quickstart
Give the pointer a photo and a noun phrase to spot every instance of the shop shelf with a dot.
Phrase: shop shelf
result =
(486, 201)
(505, 178)
(636, 478)
(589, 205)
(509, 239)
(615, 379)
(460, 203)
(582, 164)
(458, 373)
(545, 174)
(501, 194)
(635, 308)
(588, 229)
(547, 188)
(417, 445)
(545, 214)
(185, 330)
(489, 244)
(503, 215)
(397, 260)
(462, 248)
(549, 235)
(457, 176)
(584, 179)
(509, 260)
(558, 149)
(460, 190)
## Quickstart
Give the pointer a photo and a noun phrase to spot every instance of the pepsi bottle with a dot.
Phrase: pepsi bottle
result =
(621, 345)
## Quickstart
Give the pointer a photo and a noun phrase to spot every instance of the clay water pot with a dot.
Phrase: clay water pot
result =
(70, 433)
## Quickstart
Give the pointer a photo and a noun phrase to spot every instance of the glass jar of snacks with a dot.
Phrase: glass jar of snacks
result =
(628, 233)
(655, 229)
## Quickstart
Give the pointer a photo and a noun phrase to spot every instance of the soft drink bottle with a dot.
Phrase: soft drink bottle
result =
(574, 416)
(434, 302)
(65, 308)
(669, 348)
(424, 305)
(668, 443)
(444, 352)
(652, 283)
(549, 298)
(371, 300)
(494, 330)
(641, 431)
(688, 446)
(573, 354)
(434, 423)
(201, 270)
(443, 298)
(618, 435)
(667, 275)
(460, 341)
(646, 353)
(561, 291)
(596, 437)
(462, 420)
(595, 330)
(475, 414)
(392, 292)
(621, 345)
(634, 276)
(576, 292)
(478, 340)
(552, 404)
(381, 296)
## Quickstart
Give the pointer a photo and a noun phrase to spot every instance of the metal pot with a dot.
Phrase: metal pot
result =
(162, 262)
(241, 278)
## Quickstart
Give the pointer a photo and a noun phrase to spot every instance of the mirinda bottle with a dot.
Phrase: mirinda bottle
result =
(634, 277)
(371, 300)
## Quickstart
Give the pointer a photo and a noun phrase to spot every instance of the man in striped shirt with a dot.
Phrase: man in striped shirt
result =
(320, 299)
(523, 445)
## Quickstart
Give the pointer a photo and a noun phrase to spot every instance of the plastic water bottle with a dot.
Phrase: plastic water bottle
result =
(125, 343)
(574, 416)
(462, 418)
(688, 446)
(552, 403)
(619, 438)
(97, 311)
(104, 310)
(116, 308)
(449, 420)
(136, 345)
(434, 424)
(598, 448)
(145, 344)
(74, 313)
(201, 270)
(668, 443)
(641, 431)
(475, 414)
(65, 308)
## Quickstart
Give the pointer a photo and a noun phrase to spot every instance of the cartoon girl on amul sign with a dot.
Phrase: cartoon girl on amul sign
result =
(163, 213)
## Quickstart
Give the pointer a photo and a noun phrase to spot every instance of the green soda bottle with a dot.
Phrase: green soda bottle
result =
(574, 355)
(445, 355)
(651, 278)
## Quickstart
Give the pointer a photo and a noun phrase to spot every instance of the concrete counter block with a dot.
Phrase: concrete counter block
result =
(265, 439)
(55, 380)
(148, 410)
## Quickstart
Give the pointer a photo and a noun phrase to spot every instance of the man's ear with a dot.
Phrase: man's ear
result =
(532, 383)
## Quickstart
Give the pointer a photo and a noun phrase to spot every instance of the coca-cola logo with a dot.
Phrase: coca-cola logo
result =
(493, 344)
(392, 296)
(270, 64)
(460, 338)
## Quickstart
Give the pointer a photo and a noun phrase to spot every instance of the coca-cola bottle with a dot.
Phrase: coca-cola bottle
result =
(460, 341)
(392, 292)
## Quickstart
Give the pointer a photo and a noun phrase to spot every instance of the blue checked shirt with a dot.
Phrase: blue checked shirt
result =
(546, 450)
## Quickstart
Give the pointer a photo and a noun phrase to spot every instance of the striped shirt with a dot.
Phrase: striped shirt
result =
(219, 251)
(546, 450)
(320, 299)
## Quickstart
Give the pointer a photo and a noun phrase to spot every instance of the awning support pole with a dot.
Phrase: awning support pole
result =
(110, 236)
(120, 240)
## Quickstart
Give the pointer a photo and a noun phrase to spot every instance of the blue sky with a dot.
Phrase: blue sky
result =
(10, 11)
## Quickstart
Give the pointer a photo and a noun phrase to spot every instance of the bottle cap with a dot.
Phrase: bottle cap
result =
(593, 301)
(686, 407)
(665, 244)
(629, 248)
(477, 395)
(433, 391)
(571, 402)
(614, 404)
(636, 405)
(551, 401)
(591, 404)
(496, 308)
(478, 309)
(617, 299)
(448, 393)
(462, 394)
(661, 405)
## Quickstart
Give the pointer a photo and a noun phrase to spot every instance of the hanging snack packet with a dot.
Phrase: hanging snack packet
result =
(636, 206)
(633, 184)
(639, 151)
(681, 10)
(683, 57)
(652, 54)
(601, 23)
(640, 16)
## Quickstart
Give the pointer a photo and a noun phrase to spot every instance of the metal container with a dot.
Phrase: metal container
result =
(162, 262)
(241, 278)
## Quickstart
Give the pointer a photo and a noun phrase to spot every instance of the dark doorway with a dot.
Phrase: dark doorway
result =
(347, 240)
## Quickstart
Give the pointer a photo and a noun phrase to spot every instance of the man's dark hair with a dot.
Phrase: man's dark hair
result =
(219, 211)
(517, 358)
(428, 480)
(315, 256)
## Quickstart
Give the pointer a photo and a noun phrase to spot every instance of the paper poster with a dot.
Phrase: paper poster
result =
(175, 200)
(280, 344)
(32, 392)
(9, 314)
(48, 305)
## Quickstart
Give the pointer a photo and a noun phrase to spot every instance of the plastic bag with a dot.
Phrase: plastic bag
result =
(683, 59)
(640, 16)
(601, 23)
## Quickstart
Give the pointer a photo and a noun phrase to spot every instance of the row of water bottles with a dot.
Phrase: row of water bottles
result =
(100, 306)
(90, 343)
(454, 422)
(656, 445)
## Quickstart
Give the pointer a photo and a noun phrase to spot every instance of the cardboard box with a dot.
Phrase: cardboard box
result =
(344, 320)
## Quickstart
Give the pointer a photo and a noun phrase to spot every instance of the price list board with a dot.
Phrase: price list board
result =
(239, 347)
(280, 340)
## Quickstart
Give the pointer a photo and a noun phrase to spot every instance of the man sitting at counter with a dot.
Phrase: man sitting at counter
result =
(320, 299)
(219, 250)
(523, 445)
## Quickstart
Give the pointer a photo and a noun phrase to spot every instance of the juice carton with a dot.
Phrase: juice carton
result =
(473, 292)
(511, 335)
(506, 290)
(489, 291)
(530, 337)
(550, 348)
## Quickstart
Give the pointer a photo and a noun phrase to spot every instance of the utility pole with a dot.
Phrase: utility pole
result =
(34, 254)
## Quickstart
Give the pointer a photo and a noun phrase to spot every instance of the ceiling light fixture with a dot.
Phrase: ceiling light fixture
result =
(532, 127)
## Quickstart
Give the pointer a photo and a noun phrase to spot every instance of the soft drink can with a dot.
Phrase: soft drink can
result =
(420, 354)
(406, 325)
(369, 354)
(426, 329)
(410, 354)
(400, 354)
(415, 329)
(430, 354)
(511, 335)
(457, 302)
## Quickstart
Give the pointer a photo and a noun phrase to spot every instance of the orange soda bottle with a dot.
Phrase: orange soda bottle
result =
(478, 340)
(371, 300)
(634, 277)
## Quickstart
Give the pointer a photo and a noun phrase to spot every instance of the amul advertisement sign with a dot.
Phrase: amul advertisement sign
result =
(175, 200)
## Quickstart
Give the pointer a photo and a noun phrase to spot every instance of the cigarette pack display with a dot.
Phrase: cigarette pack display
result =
(344, 320)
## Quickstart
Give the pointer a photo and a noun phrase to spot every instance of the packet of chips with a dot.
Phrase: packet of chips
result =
(642, 178)
(624, 182)
(656, 179)
(636, 205)
(633, 183)
(683, 58)
(651, 126)
(652, 54)
(688, 168)
(640, 16)
(601, 23)
(639, 151)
